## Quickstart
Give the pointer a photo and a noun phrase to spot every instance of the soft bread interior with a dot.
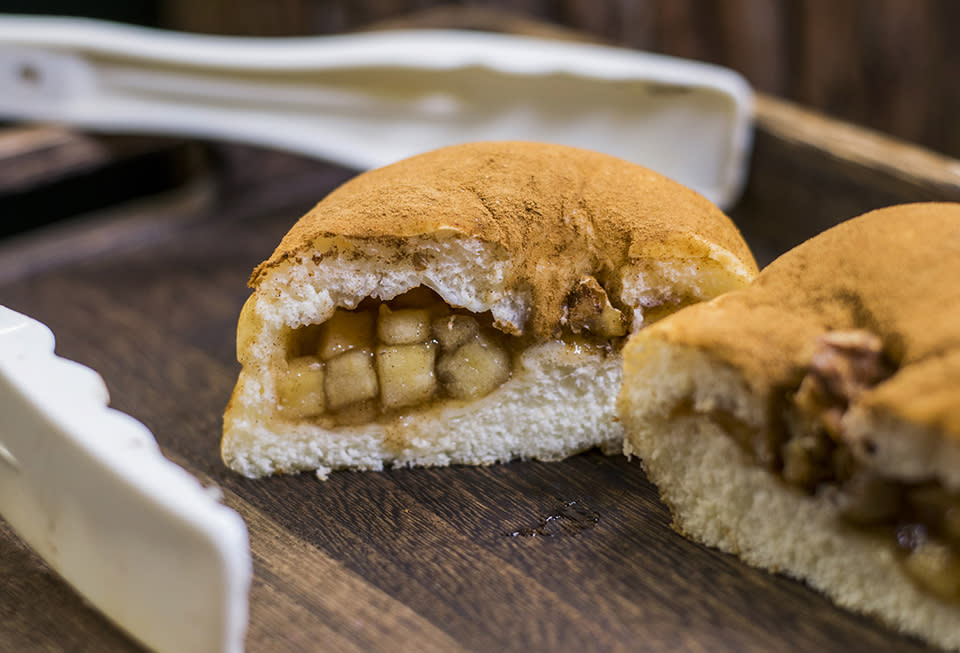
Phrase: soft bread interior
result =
(558, 401)
(677, 406)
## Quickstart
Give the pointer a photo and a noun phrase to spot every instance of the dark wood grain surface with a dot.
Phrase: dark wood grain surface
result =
(527, 556)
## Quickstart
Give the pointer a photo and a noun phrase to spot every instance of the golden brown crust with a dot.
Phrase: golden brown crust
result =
(894, 272)
(584, 212)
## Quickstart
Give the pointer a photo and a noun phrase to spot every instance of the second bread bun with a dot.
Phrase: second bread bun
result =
(810, 424)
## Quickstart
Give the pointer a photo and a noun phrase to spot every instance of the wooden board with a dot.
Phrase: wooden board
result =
(527, 556)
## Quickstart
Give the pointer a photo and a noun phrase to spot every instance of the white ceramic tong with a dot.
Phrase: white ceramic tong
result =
(367, 99)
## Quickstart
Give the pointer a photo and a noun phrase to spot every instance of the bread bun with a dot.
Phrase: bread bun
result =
(543, 256)
(810, 424)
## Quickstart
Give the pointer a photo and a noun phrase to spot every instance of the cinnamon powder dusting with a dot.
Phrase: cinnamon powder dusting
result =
(558, 213)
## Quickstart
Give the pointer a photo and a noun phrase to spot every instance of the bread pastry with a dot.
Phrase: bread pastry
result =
(465, 306)
(810, 424)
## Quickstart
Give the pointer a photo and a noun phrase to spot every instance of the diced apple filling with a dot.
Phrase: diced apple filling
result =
(589, 311)
(455, 330)
(935, 566)
(406, 374)
(301, 388)
(403, 326)
(474, 369)
(415, 349)
(346, 331)
(350, 378)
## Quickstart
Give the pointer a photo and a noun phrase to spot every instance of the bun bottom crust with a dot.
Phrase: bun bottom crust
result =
(721, 498)
(560, 402)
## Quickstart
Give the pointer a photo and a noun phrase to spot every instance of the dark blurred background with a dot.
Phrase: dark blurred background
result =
(892, 65)
(889, 65)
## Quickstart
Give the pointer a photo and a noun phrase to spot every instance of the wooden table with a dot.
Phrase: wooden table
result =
(527, 556)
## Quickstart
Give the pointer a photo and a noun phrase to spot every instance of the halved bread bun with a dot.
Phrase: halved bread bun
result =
(465, 306)
(810, 424)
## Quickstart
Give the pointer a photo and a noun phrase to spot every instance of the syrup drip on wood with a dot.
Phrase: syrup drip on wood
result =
(571, 518)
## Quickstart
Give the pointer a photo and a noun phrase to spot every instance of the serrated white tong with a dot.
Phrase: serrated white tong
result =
(365, 100)
(87, 487)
